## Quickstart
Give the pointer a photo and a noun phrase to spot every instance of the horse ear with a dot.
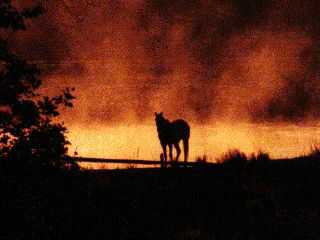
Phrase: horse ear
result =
(161, 113)
(155, 113)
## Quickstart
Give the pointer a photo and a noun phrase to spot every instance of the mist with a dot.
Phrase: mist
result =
(202, 60)
(213, 63)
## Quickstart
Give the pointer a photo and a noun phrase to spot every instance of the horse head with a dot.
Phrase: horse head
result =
(159, 117)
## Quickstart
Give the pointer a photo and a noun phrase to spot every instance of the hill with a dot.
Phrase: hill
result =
(255, 200)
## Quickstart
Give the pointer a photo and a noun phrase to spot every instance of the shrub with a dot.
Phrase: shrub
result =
(261, 157)
(314, 151)
(233, 157)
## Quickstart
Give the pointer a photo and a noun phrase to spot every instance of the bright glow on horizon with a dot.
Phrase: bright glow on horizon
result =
(141, 141)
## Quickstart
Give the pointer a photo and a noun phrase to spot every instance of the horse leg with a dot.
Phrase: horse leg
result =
(162, 160)
(176, 145)
(186, 148)
(170, 152)
(164, 149)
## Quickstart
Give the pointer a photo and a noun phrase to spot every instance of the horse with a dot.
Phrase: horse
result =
(171, 133)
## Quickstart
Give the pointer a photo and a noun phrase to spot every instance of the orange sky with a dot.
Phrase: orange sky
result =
(222, 65)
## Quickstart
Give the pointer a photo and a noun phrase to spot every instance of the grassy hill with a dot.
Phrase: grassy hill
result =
(250, 200)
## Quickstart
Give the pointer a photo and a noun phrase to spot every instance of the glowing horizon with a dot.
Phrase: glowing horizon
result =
(140, 141)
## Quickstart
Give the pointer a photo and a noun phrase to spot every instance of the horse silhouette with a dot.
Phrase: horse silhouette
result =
(171, 133)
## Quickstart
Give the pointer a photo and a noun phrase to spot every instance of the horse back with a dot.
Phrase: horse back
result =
(173, 132)
(181, 129)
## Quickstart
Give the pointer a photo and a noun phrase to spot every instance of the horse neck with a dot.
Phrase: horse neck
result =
(163, 124)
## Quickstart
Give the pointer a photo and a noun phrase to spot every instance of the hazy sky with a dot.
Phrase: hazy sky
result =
(198, 59)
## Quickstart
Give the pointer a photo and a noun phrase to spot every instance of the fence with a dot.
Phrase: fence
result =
(140, 162)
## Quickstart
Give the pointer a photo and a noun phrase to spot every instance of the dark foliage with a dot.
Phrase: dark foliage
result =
(29, 135)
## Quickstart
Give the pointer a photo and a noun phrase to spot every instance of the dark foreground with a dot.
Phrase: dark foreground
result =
(256, 200)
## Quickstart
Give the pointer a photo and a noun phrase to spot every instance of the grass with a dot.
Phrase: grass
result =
(314, 151)
(236, 157)
(233, 157)
(202, 159)
(269, 200)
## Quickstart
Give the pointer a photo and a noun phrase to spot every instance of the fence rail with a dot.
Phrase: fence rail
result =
(138, 162)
